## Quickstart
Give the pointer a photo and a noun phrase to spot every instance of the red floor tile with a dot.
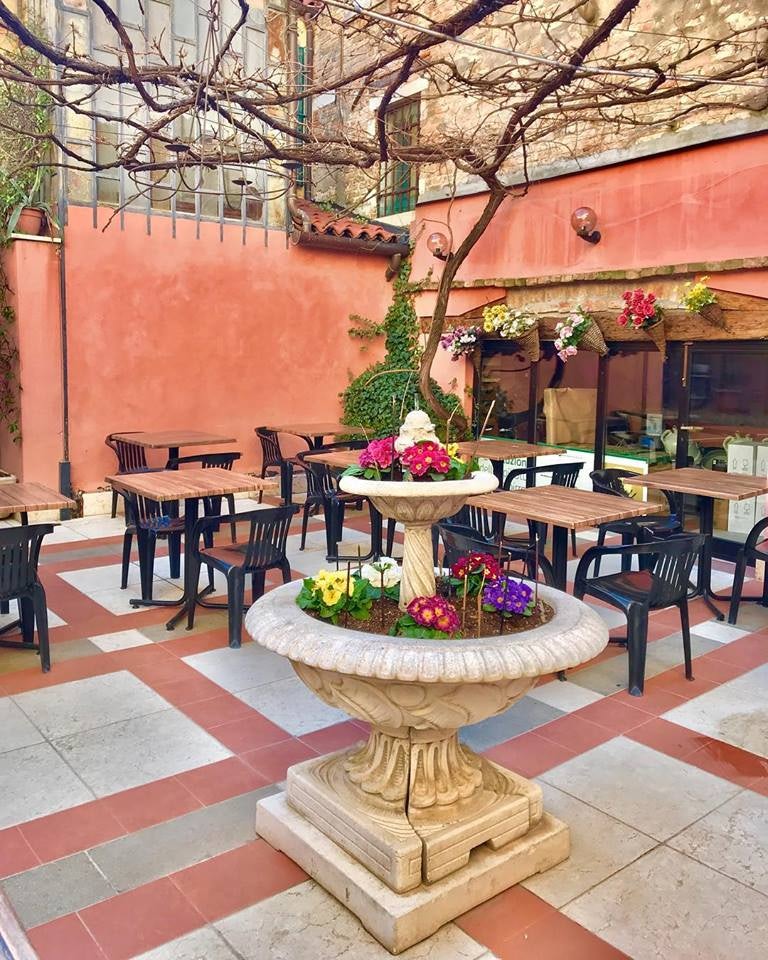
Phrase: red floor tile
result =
(529, 755)
(747, 652)
(575, 733)
(189, 690)
(167, 669)
(217, 710)
(652, 702)
(337, 737)
(496, 921)
(669, 738)
(273, 761)
(237, 879)
(731, 763)
(143, 657)
(186, 646)
(556, 937)
(710, 668)
(151, 803)
(249, 733)
(219, 781)
(612, 714)
(141, 919)
(674, 681)
(64, 939)
(15, 853)
(63, 833)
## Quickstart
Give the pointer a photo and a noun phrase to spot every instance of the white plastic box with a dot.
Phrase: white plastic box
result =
(742, 458)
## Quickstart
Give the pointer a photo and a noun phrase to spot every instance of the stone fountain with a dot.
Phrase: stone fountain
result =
(412, 828)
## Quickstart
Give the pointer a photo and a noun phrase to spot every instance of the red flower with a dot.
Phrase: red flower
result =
(476, 563)
(434, 613)
(424, 458)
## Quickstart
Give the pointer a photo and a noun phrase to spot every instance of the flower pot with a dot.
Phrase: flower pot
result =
(593, 340)
(417, 506)
(530, 344)
(658, 334)
(31, 222)
(713, 314)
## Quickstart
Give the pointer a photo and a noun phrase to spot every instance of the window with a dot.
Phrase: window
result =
(400, 181)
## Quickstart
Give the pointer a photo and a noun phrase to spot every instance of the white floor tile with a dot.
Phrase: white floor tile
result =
(290, 705)
(667, 906)
(118, 601)
(643, 788)
(132, 752)
(80, 705)
(722, 632)
(734, 712)
(242, 669)
(54, 620)
(565, 696)
(203, 944)
(122, 640)
(16, 729)
(94, 528)
(35, 781)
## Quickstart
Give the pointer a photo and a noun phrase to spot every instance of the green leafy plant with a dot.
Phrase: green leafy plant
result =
(332, 595)
(377, 397)
(698, 295)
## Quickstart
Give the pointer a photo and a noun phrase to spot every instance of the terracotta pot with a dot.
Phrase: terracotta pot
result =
(31, 221)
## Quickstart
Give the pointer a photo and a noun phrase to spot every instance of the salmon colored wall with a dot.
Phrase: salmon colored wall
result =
(184, 332)
(703, 204)
(32, 271)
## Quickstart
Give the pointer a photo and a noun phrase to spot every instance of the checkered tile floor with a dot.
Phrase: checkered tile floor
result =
(129, 777)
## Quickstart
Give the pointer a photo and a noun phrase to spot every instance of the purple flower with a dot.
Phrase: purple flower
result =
(508, 595)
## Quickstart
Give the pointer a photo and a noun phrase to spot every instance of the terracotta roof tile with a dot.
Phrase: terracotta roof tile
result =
(335, 225)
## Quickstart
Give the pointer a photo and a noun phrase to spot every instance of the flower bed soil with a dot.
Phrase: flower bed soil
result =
(385, 613)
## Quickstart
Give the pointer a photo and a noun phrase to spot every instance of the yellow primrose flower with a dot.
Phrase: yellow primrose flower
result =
(452, 450)
(331, 596)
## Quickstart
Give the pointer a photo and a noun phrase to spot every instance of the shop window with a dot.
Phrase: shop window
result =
(399, 183)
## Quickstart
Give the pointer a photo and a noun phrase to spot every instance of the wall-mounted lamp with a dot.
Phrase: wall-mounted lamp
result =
(439, 245)
(584, 221)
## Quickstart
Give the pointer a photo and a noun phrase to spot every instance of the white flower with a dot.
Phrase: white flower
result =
(386, 567)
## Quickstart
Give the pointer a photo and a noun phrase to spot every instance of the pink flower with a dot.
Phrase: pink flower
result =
(378, 453)
(566, 332)
(424, 458)
(571, 351)
(563, 355)
(434, 613)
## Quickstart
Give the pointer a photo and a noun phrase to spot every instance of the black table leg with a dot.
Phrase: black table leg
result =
(560, 556)
(704, 580)
(191, 593)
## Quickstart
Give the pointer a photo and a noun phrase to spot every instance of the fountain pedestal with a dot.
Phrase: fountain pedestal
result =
(411, 828)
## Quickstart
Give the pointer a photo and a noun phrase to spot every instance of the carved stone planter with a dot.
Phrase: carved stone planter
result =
(412, 828)
(417, 505)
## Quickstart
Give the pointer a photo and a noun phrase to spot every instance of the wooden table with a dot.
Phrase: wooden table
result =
(172, 440)
(497, 451)
(566, 508)
(338, 459)
(710, 485)
(24, 498)
(315, 433)
(190, 486)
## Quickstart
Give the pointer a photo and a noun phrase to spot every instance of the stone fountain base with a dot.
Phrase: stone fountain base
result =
(399, 920)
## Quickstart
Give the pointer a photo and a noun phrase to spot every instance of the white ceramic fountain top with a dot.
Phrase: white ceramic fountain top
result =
(479, 482)
(574, 635)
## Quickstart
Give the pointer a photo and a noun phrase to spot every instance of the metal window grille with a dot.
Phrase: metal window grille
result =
(399, 189)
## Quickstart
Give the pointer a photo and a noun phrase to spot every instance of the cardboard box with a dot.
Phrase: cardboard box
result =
(742, 456)
(570, 415)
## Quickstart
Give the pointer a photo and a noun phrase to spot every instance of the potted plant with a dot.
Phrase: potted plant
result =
(461, 341)
(578, 330)
(700, 299)
(519, 325)
(643, 312)
(24, 209)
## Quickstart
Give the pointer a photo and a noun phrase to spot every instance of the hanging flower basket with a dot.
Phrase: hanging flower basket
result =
(517, 325)
(657, 332)
(713, 314)
(642, 312)
(577, 332)
(700, 299)
(593, 340)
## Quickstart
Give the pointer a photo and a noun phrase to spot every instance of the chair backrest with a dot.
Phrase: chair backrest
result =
(609, 481)
(19, 555)
(320, 477)
(476, 518)
(675, 559)
(460, 539)
(562, 474)
(271, 454)
(205, 460)
(130, 456)
(268, 534)
(143, 512)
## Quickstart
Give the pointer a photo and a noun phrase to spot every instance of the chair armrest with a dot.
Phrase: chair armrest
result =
(628, 550)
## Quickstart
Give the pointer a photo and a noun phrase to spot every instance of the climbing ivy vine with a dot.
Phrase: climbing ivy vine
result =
(377, 396)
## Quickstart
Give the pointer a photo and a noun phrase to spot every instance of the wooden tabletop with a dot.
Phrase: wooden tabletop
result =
(160, 439)
(506, 449)
(316, 429)
(26, 497)
(564, 506)
(705, 483)
(163, 485)
(340, 459)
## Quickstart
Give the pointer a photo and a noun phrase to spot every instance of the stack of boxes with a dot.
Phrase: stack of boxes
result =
(747, 456)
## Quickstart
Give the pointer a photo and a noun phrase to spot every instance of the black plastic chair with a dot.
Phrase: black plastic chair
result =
(264, 550)
(563, 475)
(661, 582)
(19, 556)
(459, 539)
(272, 458)
(131, 458)
(754, 549)
(150, 521)
(610, 482)
(224, 461)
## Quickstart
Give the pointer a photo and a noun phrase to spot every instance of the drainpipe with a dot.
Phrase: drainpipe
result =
(65, 467)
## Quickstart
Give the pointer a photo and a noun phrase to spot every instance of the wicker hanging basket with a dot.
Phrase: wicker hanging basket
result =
(713, 314)
(530, 344)
(593, 340)
(658, 334)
